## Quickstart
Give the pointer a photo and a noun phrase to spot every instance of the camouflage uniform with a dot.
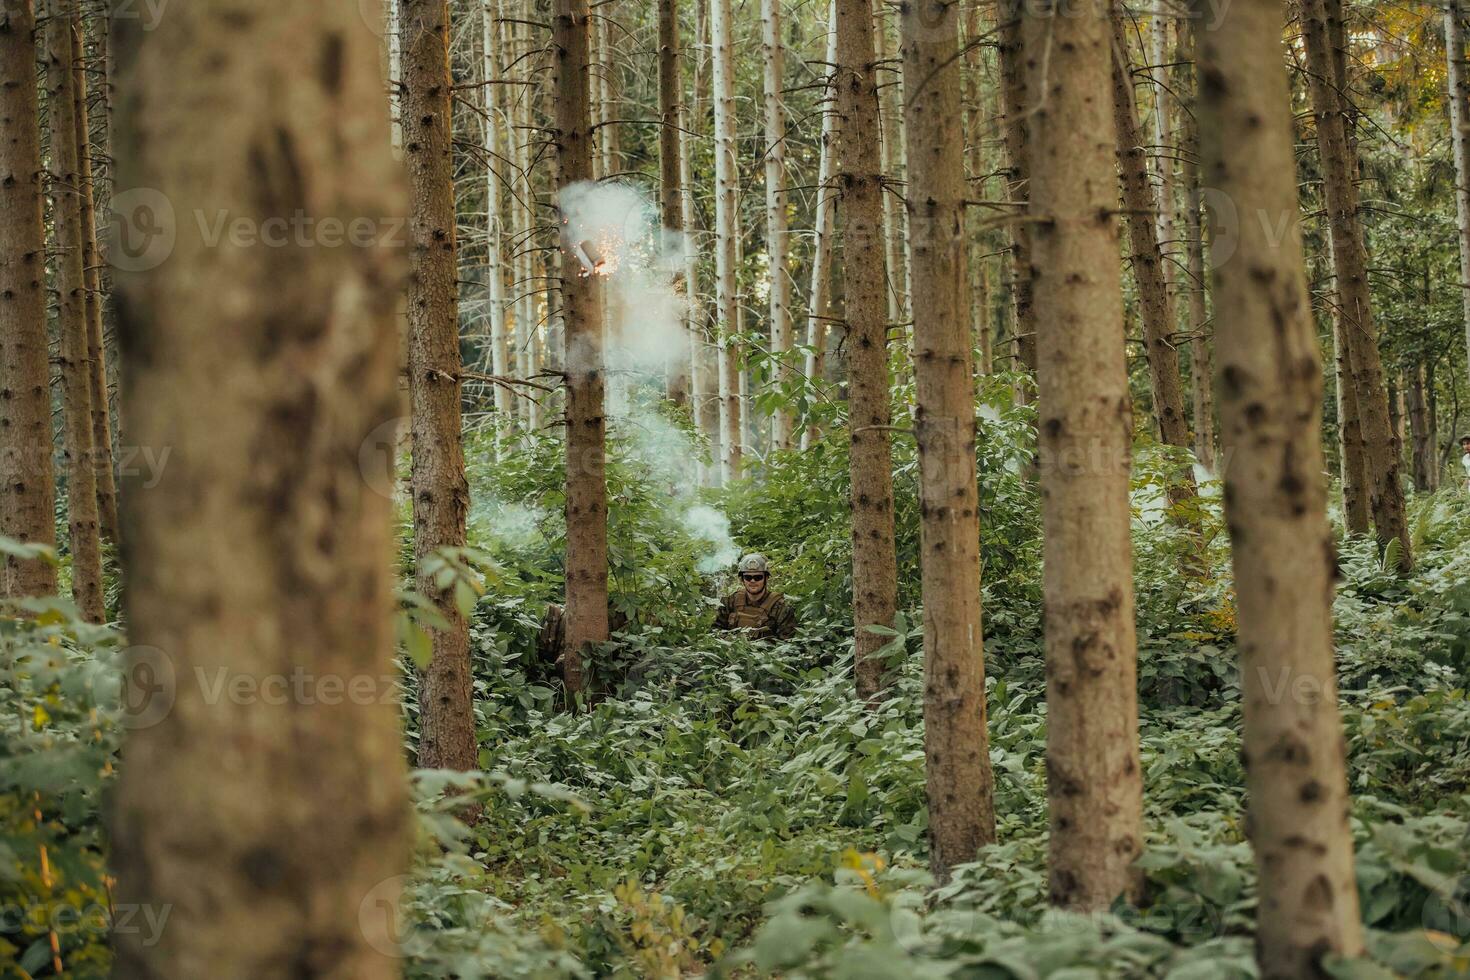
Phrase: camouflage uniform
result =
(770, 616)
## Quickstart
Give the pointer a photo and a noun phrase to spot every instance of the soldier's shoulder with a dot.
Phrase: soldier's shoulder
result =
(730, 599)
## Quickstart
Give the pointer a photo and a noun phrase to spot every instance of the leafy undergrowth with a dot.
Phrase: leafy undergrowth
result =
(726, 808)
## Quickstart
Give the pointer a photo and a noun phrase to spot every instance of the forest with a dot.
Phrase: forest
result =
(737, 488)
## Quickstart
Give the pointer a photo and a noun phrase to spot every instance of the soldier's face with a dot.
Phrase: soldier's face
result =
(754, 584)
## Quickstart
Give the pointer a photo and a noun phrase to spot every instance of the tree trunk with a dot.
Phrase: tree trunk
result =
(606, 82)
(496, 154)
(1015, 96)
(71, 315)
(977, 165)
(1459, 106)
(1423, 452)
(1155, 304)
(1094, 785)
(1201, 327)
(670, 161)
(1276, 505)
(27, 480)
(958, 779)
(860, 183)
(704, 380)
(586, 568)
(1386, 496)
(727, 241)
(819, 302)
(782, 424)
(523, 337)
(92, 303)
(1431, 403)
(440, 491)
(891, 160)
(1351, 460)
(271, 821)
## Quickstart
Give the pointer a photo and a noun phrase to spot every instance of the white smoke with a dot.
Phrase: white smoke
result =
(611, 230)
(707, 524)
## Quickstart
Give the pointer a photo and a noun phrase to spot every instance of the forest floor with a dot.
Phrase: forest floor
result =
(726, 807)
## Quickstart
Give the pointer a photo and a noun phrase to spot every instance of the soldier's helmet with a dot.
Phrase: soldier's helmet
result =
(754, 563)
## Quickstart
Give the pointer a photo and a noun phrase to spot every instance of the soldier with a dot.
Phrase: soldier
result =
(755, 607)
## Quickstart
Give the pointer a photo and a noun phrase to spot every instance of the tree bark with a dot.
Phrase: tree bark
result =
(273, 824)
(1422, 456)
(860, 195)
(586, 508)
(1352, 462)
(958, 780)
(1276, 506)
(1015, 96)
(727, 242)
(1458, 98)
(670, 161)
(440, 491)
(1155, 304)
(1201, 327)
(27, 478)
(977, 165)
(496, 153)
(1094, 784)
(71, 317)
(891, 160)
(819, 302)
(1386, 495)
(782, 423)
(606, 83)
(93, 302)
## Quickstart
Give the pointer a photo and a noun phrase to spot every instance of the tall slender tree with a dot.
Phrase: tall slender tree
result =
(1350, 258)
(956, 746)
(27, 480)
(1014, 100)
(772, 47)
(273, 830)
(441, 494)
(1146, 254)
(1276, 504)
(586, 508)
(891, 160)
(1458, 99)
(819, 297)
(670, 162)
(71, 317)
(727, 241)
(93, 301)
(492, 72)
(1094, 785)
(860, 196)
(1201, 327)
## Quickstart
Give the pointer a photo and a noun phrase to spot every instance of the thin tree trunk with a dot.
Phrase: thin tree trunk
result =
(1155, 304)
(440, 491)
(1459, 105)
(273, 828)
(727, 243)
(977, 167)
(525, 214)
(1015, 97)
(1160, 54)
(782, 423)
(819, 302)
(1431, 401)
(496, 154)
(860, 183)
(1353, 464)
(702, 358)
(1386, 496)
(670, 160)
(27, 480)
(71, 317)
(92, 303)
(1423, 450)
(1276, 504)
(890, 117)
(605, 81)
(586, 564)
(1201, 327)
(1094, 785)
(958, 779)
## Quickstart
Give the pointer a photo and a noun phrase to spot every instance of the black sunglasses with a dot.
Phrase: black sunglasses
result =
(753, 578)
